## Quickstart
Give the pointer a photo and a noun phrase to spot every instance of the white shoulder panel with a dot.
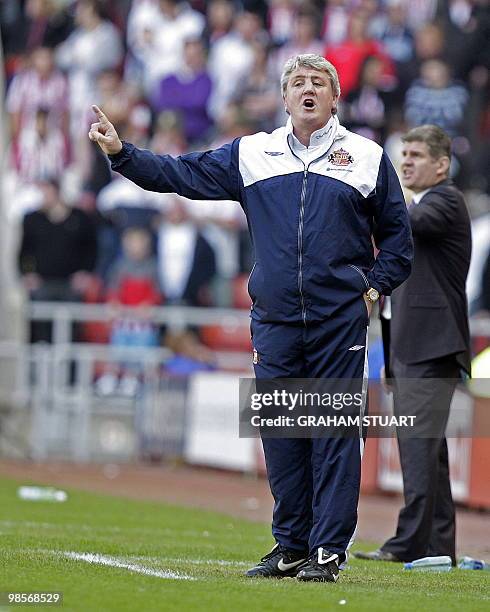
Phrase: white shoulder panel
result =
(263, 156)
(351, 159)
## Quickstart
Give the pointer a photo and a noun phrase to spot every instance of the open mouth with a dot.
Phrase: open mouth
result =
(308, 103)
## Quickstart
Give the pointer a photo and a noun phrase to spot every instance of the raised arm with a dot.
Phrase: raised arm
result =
(208, 175)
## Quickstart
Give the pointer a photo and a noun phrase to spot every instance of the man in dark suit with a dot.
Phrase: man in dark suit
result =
(428, 339)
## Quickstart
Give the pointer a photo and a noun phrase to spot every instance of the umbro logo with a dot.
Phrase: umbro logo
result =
(273, 153)
(356, 347)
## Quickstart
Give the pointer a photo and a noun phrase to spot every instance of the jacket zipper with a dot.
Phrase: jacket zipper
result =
(364, 277)
(300, 243)
(300, 227)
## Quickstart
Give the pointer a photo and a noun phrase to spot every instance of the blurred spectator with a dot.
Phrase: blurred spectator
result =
(57, 253)
(366, 107)
(113, 93)
(305, 38)
(132, 281)
(156, 34)
(258, 7)
(41, 152)
(436, 99)
(429, 44)
(187, 92)
(219, 15)
(231, 59)
(93, 47)
(394, 34)
(258, 93)
(281, 18)
(138, 126)
(233, 123)
(39, 23)
(122, 205)
(220, 223)
(348, 56)
(471, 53)
(190, 355)
(420, 12)
(335, 22)
(39, 85)
(186, 261)
(168, 137)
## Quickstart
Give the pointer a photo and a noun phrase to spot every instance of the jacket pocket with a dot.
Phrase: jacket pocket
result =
(361, 274)
(249, 283)
(427, 300)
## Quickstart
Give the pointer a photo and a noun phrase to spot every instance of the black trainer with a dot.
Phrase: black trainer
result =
(322, 566)
(281, 562)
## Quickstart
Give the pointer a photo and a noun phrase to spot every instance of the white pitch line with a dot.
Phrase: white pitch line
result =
(224, 562)
(155, 560)
(97, 559)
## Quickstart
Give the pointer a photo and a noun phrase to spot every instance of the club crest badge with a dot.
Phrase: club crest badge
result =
(340, 157)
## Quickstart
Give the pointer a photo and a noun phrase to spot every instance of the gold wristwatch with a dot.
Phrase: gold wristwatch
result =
(372, 295)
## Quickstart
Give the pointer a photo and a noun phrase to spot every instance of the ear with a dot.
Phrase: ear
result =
(285, 104)
(443, 164)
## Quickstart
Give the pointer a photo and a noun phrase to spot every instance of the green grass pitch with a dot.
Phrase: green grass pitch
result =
(149, 556)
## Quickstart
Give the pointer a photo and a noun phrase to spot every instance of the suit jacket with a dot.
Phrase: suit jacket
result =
(429, 313)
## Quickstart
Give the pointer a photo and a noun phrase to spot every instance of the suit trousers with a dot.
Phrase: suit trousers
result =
(426, 523)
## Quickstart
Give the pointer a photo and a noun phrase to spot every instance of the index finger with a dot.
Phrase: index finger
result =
(99, 114)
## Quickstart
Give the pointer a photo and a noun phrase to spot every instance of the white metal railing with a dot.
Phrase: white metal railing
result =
(63, 314)
(55, 382)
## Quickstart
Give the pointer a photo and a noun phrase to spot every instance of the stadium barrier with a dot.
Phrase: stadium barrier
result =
(50, 408)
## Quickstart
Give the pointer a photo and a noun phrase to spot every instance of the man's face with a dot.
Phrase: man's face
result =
(50, 195)
(419, 169)
(309, 98)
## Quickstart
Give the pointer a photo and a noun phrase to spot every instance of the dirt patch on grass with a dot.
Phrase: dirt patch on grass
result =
(234, 494)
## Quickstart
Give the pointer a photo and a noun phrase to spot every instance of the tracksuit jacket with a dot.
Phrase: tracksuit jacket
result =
(311, 218)
(310, 225)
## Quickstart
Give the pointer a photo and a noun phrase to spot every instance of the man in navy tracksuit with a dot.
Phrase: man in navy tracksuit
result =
(314, 195)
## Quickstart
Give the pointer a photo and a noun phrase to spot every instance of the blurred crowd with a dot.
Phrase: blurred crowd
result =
(175, 76)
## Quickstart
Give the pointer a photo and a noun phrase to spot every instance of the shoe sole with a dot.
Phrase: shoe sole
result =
(272, 576)
(304, 579)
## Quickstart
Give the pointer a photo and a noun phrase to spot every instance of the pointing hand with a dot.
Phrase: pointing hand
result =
(104, 134)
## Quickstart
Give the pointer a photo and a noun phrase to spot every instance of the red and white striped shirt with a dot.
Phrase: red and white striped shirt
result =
(28, 93)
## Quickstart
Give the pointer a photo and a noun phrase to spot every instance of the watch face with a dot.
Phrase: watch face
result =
(373, 295)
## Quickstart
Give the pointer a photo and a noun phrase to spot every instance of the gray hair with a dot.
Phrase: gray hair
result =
(310, 60)
(436, 139)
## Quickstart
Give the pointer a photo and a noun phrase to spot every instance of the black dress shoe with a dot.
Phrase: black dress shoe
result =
(377, 555)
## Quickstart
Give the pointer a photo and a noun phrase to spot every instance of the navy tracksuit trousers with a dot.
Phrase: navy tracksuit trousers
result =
(315, 482)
